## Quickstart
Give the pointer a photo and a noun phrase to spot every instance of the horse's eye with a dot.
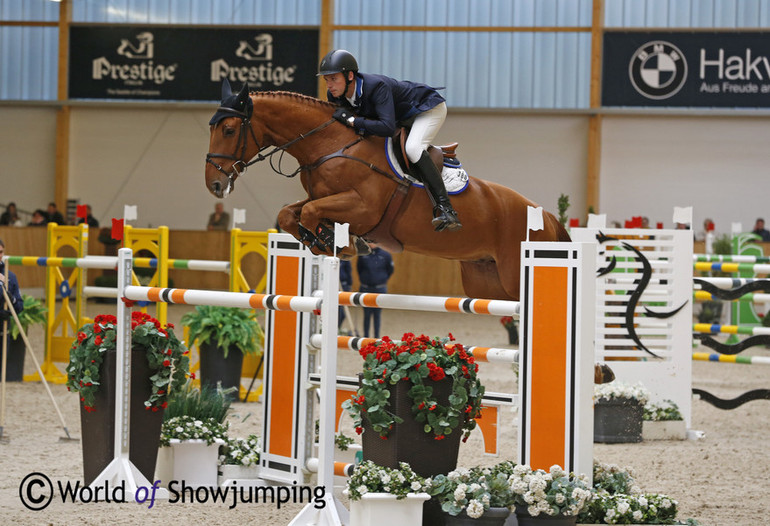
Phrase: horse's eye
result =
(229, 132)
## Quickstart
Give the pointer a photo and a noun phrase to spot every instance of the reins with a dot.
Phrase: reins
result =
(239, 165)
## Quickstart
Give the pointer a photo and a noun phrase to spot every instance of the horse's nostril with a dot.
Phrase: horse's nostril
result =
(216, 186)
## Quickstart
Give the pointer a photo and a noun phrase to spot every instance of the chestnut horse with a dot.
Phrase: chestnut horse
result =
(348, 180)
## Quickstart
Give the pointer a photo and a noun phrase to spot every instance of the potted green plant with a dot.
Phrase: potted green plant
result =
(224, 336)
(467, 495)
(618, 412)
(159, 365)
(417, 398)
(554, 495)
(663, 421)
(194, 427)
(34, 313)
(383, 495)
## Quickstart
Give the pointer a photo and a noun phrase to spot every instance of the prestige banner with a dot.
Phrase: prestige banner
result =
(181, 63)
(694, 69)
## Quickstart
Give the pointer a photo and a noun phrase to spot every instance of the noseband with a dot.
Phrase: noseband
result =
(240, 165)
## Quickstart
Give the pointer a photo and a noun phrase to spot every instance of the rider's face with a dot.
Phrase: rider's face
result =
(335, 83)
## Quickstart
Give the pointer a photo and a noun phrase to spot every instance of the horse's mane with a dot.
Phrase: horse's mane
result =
(305, 99)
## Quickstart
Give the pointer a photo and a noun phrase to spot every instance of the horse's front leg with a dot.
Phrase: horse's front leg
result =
(345, 207)
(288, 217)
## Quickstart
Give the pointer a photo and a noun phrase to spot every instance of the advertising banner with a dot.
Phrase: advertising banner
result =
(187, 63)
(694, 69)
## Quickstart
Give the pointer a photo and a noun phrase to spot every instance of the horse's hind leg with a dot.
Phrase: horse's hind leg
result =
(481, 280)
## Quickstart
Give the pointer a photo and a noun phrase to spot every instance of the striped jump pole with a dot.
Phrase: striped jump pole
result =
(730, 283)
(731, 329)
(430, 303)
(752, 297)
(724, 358)
(730, 258)
(757, 268)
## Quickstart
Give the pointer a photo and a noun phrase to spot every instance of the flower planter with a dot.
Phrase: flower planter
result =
(215, 368)
(383, 508)
(244, 475)
(15, 359)
(664, 430)
(491, 517)
(192, 461)
(618, 420)
(407, 441)
(98, 427)
(523, 518)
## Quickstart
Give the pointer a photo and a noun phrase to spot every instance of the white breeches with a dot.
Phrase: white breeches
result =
(424, 129)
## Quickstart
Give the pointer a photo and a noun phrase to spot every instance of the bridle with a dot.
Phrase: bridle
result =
(240, 165)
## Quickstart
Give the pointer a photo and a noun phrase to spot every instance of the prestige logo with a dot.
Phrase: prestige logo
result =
(256, 74)
(658, 70)
(142, 68)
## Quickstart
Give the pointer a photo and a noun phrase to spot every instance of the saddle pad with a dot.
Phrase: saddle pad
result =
(455, 177)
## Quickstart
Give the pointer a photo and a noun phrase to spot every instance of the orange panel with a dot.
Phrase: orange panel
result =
(488, 427)
(549, 366)
(282, 402)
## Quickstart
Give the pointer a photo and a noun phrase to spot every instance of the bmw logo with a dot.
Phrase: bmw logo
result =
(658, 70)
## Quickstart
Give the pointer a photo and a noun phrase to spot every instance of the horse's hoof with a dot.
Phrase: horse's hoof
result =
(603, 374)
(361, 246)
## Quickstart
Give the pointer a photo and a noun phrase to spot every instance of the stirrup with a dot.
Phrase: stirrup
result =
(445, 219)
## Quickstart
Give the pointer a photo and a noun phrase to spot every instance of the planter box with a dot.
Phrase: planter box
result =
(191, 461)
(664, 430)
(618, 420)
(383, 508)
(230, 474)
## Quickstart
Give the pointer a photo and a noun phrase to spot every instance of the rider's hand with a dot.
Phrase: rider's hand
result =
(345, 116)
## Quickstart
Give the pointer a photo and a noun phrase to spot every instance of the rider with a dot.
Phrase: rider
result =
(373, 104)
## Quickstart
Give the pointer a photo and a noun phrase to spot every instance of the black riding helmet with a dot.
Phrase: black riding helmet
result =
(337, 61)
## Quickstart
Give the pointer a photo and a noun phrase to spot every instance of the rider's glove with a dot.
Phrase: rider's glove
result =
(345, 116)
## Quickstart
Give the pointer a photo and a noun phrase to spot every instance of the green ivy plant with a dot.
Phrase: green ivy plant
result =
(33, 313)
(166, 357)
(226, 327)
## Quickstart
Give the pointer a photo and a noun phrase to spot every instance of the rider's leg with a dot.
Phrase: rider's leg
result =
(425, 127)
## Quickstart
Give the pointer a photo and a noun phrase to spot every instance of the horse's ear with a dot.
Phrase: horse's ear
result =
(244, 93)
(226, 89)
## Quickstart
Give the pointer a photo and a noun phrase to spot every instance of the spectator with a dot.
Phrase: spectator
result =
(10, 217)
(12, 288)
(374, 270)
(39, 218)
(54, 216)
(645, 222)
(708, 226)
(759, 229)
(220, 219)
(346, 284)
(90, 219)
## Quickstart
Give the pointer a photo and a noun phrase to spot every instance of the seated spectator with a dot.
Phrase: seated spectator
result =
(54, 216)
(10, 217)
(90, 219)
(39, 218)
(759, 229)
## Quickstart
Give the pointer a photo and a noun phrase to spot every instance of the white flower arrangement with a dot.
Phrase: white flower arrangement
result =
(555, 492)
(631, 509)
(473, 490)
(242, 451)
(191, 428)
(617, 389)
(611, 479)
(662, 411)
(368, 477)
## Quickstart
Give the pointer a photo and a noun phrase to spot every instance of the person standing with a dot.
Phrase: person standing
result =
(376, 104)
(759, 229)
(374, 271)
(54, 216)
(346, 284)
(12, 288)
(219, 220)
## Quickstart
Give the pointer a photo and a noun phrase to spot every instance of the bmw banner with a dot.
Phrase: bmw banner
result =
(183, 63)
(695, 69)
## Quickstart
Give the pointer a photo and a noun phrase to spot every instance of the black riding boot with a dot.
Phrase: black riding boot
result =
(444, 216)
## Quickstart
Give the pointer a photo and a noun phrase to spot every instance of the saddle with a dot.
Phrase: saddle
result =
(440, 155)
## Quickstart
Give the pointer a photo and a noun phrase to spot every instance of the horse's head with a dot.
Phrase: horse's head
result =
(230, 131)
